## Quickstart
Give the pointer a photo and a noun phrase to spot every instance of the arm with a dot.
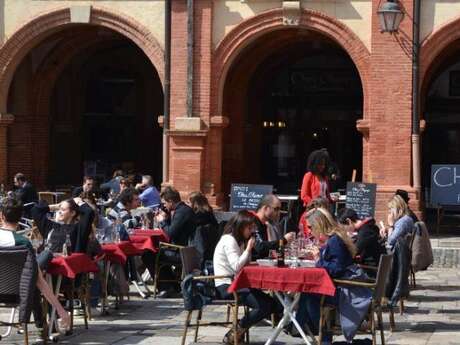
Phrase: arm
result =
(262, 247)
(305, 191)
(236, 260)
(85, 224)
(334, 258)
(174, 226)
(401, 228)
(40, 216)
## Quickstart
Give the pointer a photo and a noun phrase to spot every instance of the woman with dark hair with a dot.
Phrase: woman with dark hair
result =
(232, 253)
(315, 182)
(74, 217)
(203, 211)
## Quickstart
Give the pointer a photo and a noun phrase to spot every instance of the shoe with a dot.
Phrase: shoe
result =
(164, 294)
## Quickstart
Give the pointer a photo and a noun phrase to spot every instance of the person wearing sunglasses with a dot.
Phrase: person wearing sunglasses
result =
(267, 234)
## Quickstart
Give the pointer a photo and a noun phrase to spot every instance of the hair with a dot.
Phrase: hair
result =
(403, 194)
(125, 181)
(318, 202)
(148, 178)
(322, 223)
(12, 209)
(87, 178)
(170, 194)
(347, 213)
(199, 202)
(73, 207)
(118, 173)
(20, 177)
(399, 205)
(315, 158)
(238, 223)
(267, 200)
(127, 195)
(89, 198)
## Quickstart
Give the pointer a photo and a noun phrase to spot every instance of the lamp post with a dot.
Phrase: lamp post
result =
(390, 15)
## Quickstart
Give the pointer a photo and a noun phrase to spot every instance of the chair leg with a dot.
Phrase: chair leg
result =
(156, 276)
(246, 312)
(401, 306)
(229, 308)
(235, 320)
(187, 323)
(392, 319)
(26, 334)
(322, 320)
(197, 327)
(372, 320)
(380, 320)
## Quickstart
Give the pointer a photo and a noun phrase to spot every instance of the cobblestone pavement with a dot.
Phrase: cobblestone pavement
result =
(432, 317)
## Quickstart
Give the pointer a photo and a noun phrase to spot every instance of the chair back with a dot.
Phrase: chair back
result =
(191, 260)
(49, 197)
(12, 263)
(382, 276)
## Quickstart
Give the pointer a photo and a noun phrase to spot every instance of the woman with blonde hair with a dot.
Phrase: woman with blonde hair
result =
(400, 223)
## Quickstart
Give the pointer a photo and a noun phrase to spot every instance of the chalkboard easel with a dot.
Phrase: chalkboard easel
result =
(361, 198)
(247, 196)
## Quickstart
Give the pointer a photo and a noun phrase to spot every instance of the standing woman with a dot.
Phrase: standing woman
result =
(232, 253)
(315, 182)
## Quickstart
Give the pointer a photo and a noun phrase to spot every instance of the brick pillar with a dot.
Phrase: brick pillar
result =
(5, 121)
(389, 146)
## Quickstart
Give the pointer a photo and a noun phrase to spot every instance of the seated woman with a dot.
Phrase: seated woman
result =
(336, 256)
(232, 253)
(400, 224)
(318, 202)
(10, 213)
(368, 243)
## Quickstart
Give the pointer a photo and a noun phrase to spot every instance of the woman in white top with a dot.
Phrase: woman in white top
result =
(232, 253)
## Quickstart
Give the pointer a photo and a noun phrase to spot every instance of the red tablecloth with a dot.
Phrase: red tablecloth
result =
(148, 239)
(70, 266)
(313, 280)
(157, 233)
(119, 252)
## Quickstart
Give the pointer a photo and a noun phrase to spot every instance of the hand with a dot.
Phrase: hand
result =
(289, 237)
(250, 244)
(334, 197)
(139, 186)
(315, 252)
(79, 201)
(390, 218)
(54, 207)
(160, 216)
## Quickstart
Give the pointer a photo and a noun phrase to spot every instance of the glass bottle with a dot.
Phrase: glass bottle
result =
(280, 254)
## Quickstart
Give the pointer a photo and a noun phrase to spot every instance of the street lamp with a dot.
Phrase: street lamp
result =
(390, 16)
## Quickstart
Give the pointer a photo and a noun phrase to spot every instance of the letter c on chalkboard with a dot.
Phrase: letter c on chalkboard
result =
(435, 178)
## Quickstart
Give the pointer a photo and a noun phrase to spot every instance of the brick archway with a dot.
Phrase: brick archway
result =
(40, 27)
(249, 30)
(433, 50)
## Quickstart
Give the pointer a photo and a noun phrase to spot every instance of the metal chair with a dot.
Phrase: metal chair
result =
(191, 260)
(375, 309)
(160, 264)
(18, 273)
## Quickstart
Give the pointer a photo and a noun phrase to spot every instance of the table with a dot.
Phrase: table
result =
(68, 267)
(285, 279)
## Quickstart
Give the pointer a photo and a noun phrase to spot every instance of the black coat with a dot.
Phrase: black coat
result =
(263, 245)
(181, 226)
(398, 281)
(27, 194)
(369, 245)
(78, 232)
(206, 234)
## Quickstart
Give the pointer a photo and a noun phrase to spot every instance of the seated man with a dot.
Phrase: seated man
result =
(177, 219)
(267, 237)
(149, 194)
(89, 186)
(11, 211)
(25, 192)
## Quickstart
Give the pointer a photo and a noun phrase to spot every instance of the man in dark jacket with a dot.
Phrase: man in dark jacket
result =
(89, 186)
(178, 220)
(367, 240)
(267, 235)
(25, 192)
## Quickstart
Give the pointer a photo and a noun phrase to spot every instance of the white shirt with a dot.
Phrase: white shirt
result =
(229, 259)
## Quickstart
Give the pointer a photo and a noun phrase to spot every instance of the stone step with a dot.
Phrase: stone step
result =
(446, 251)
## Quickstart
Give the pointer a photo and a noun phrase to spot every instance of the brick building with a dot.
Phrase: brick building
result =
(83, 81)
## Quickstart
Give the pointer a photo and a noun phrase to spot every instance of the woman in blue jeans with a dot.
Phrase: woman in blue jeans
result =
(336, 254)
(232, 253)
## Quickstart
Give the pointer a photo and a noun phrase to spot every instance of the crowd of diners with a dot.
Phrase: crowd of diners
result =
(341, 241)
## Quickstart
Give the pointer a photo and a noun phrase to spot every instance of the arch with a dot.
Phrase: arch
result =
(47, 23)
(271, 20)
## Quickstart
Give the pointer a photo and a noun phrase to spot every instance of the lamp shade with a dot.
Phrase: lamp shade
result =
(390, 16)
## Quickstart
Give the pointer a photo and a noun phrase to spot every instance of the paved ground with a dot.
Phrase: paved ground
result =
(432, 317)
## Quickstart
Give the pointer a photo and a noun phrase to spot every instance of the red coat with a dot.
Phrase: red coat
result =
(311, 188)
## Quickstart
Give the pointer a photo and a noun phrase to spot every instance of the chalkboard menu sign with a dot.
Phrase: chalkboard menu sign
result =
(247, 196)
(361, 198)
(445, 184)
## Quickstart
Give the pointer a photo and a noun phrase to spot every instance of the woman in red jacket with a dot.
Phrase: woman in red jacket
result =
(315, 182)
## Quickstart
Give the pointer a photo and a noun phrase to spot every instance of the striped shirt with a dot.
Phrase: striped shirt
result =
(120, 212)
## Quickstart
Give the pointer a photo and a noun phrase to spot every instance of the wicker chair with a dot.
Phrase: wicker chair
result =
(18, 276)
(375, 309)
(191, 260)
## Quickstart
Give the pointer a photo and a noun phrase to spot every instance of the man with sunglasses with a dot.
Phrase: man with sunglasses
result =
(267, 234)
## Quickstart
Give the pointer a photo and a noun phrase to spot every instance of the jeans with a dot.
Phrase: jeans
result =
(308, 312)
(261, 304)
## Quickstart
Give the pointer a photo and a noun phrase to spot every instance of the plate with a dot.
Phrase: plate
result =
(266, 262)
(302, 263)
